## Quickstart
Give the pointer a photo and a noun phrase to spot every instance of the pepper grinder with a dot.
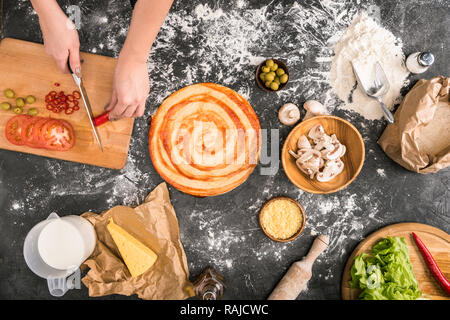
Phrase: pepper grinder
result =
(298, 275)
(419, 62)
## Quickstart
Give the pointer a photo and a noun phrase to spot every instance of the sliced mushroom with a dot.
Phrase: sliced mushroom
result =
(292, 153)
(331, 170)
(303, 142)
(303, 167)
(333, 154)
(316, 132)
(344, 149)
(325, 142)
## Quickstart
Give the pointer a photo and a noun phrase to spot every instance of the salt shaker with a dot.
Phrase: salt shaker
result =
(419, 62)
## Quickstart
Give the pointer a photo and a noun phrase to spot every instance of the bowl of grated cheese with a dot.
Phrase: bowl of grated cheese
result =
(282, 219)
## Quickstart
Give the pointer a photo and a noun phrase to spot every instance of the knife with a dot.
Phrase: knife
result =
(87, 104)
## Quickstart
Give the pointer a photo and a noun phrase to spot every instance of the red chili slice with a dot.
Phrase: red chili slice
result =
(61, 93)
(13, 129)
(76, 108)
(76, 94)
(69, 111)
(52, 93)
(70, 97)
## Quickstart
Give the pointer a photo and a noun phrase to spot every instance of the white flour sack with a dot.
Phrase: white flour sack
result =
(365, 42)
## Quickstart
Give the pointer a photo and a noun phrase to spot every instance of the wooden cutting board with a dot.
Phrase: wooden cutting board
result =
(28, 70)
(437, 242)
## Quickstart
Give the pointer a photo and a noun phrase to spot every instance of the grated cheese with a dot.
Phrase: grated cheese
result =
(281, 218)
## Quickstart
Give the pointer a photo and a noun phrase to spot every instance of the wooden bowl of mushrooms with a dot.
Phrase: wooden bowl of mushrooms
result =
(323, 154)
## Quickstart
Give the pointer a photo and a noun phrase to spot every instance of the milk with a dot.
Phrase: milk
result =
(61, 245)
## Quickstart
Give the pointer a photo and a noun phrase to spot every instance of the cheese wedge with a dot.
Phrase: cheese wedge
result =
(138, 257)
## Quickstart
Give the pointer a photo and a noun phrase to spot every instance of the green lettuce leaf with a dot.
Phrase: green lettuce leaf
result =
(386, 273)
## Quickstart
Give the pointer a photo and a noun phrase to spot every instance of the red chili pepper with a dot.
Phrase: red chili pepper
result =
(432, 265)
(57, 84)
(101, 119)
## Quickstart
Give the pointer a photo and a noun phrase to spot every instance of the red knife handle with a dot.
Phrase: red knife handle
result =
(101, 119)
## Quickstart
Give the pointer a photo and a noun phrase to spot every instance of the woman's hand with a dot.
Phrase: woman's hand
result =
(60, 35)
(130, 88)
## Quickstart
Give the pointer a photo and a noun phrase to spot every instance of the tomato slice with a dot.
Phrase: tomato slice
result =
(27, 132)
(13, 129)
(37, 131)
(58, 135)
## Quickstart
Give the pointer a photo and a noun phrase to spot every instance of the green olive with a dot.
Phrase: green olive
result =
(33, 112)
(20, 102)
(277, 80)
(18, 110)
(9, 93)
(284, 78)
(30, 99)
(269, 77)
(265, 69)
(5, 105)
(274, 86)
(262, 76)
(280, 72)
(268, 83)
(274, 67)
(269, 63)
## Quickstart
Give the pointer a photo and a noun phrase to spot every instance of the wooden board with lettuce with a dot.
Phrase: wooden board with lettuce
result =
(388, 266)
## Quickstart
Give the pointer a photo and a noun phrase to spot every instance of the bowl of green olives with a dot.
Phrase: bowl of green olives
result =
(272, 75)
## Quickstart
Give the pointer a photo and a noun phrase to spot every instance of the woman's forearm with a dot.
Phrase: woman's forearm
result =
(46, 9)
(148, 16)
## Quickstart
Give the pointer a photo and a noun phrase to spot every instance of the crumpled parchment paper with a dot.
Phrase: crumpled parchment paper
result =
(155, 224)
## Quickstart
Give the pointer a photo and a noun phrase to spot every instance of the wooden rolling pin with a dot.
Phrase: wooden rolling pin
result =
(298, 275)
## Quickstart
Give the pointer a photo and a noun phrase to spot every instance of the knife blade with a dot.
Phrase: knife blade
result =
(87, 106)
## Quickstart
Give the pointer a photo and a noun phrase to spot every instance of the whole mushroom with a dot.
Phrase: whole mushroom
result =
(313, 108)
(289, 114)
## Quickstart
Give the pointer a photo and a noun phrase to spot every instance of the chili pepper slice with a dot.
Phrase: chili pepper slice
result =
(68, 111)
(76, 94)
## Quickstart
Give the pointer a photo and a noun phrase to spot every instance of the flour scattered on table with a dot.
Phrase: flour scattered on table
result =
(364, 44)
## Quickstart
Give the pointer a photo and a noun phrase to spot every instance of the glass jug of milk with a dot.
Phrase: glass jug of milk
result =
(55, 248)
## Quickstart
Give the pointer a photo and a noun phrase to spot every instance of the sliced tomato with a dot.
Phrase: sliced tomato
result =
(58, 135)
(27, 132)
(13, 129)
(37, 131)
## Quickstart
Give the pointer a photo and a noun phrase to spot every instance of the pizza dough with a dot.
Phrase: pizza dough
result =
(205, 139)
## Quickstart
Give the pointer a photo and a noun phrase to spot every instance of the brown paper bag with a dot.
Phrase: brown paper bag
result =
(155, 224)
(419, 139)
